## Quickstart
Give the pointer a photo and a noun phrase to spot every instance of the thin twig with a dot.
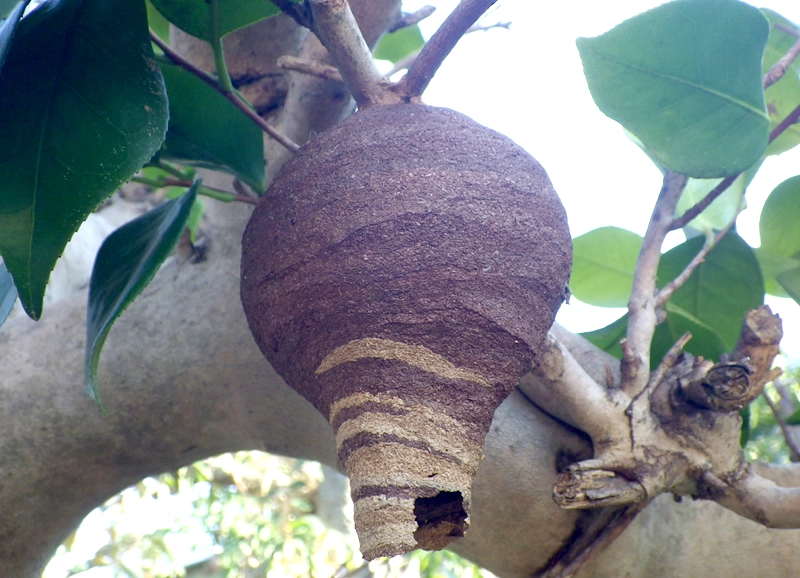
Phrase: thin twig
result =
(409, 19)
(787, 435)
(409, 60)
(787, 29)
(669, 289)
(778, 69)
(233, 96)
(318, 69)
(439, 46)
(790, 119)
(336, 27)
(642, 318)
(692, 213)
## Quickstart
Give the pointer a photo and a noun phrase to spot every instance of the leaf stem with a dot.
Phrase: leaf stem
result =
(211, 192)
(223, 77)
(233, 96)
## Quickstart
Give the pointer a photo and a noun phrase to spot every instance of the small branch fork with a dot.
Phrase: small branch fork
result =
(333, 23)
(676, 429)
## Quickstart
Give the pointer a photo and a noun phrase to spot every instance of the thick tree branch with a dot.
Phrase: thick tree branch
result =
(336, 27)
(761, 500)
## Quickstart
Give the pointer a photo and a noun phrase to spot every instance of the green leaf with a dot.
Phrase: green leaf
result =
(8, 26)
(125, 264)
(8, 293)
(790, 282)
(607, 338)
(207, 130)
(84, 107)
(720, 291)
(396, 46)
(771, 267)
(685, 78)
(778, 225)
(779, 254)
(705, 340)
(604, 261)
(196, 16)
(195, 215)
(783, 96)
(157, 22)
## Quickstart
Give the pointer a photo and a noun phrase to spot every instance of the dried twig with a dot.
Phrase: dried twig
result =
(311, 67)
(232, 96)
(409, 19)
(439, 46)
(778, 69)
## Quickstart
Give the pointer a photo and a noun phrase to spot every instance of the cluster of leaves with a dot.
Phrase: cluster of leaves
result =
(687, 84)
(244, 514)
(92, 117)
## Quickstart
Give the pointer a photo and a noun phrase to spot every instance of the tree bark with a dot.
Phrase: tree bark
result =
(182, 380)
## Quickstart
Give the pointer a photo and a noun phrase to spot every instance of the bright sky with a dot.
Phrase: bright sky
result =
(528, 83)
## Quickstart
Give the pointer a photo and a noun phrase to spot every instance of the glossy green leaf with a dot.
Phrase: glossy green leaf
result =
(196, 213)
(125, 264)
(396, 46)
(719, 292)
(197, 16)
(607, 338)
(9, 26)
(783, 96)
(84, 107)
(206, 130)
(685, 78)
(8, 293)
(603, 264)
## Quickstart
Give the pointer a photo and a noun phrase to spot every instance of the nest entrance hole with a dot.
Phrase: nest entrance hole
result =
(440, 519)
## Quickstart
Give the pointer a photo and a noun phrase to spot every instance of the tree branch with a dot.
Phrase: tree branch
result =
(642, 317)
(669, 289)
(430, 58)
(336, 27)
(232, 96)
(760, 500)
(778, 69)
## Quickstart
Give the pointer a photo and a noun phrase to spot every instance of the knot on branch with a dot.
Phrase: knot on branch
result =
(725, 387)
(578, 488)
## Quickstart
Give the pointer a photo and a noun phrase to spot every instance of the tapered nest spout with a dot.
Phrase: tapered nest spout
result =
(410, 469)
